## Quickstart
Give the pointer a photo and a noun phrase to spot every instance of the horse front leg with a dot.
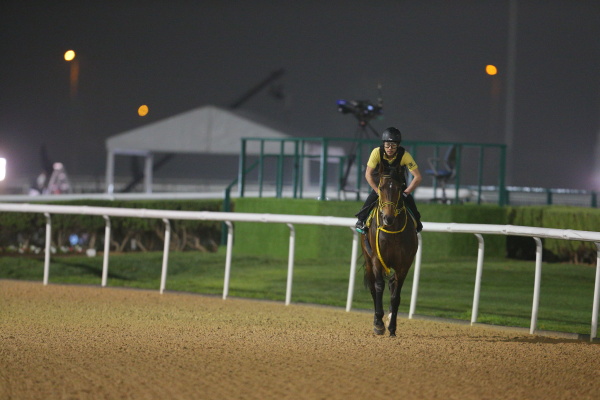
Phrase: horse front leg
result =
(377, 294)
(371, 283)
(395, 289)
(395, 283)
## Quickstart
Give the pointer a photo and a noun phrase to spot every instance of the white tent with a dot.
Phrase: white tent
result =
(206, 129)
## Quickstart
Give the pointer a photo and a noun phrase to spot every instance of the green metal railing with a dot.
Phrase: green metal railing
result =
(295, 149)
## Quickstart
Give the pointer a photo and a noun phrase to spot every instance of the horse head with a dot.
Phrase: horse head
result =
(390, 199)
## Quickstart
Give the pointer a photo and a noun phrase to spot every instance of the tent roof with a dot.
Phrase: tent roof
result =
(207, 129)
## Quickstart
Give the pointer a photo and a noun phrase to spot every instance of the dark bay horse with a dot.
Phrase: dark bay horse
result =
(389, 248)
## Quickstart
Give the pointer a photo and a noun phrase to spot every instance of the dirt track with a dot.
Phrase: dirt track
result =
(68, 342)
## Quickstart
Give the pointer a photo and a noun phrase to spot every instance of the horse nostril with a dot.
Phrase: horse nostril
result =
(388, 220)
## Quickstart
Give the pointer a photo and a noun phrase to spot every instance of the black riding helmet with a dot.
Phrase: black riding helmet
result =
(391, 135)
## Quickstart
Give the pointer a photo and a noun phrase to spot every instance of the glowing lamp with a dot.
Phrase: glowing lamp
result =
(143, 111)
(69, 55)
(491, 70)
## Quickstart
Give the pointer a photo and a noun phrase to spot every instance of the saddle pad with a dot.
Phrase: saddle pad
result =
(370, 217)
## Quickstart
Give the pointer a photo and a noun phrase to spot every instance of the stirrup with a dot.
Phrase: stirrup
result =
(360, 227)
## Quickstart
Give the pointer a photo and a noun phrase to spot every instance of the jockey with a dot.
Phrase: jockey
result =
(390, 155)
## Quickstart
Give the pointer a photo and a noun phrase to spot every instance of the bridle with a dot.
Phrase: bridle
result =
(380, 227)
(393, 204)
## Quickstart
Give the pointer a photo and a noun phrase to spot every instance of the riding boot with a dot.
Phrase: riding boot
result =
(412, 206)
(363, 214)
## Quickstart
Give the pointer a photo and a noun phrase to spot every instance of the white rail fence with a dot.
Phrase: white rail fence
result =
(477, 229)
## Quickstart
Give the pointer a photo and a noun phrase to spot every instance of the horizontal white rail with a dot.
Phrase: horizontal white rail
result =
(187, 215)
(228, 218)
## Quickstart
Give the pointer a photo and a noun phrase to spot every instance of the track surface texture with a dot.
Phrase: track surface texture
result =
(78, 342)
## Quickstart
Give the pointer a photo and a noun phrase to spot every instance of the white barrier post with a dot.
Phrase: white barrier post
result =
(536, 287)
(106, 250)
(228, 258)
(288, 290)
(48, 245)
(163, 275)
(480, 252)
(352, 270)
(416, 276)
(594, 330)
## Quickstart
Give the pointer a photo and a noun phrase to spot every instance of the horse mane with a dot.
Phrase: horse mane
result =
(397, 175)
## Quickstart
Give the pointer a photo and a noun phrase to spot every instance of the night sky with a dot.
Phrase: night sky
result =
(429, 57)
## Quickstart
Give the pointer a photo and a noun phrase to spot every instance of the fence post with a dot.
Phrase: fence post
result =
(261, 168)
(242, 169)
(323, 180)
(48, 246)
(416, 276)
(228, 259)
(352, 270)
(503, 196)
(163, 276)
(288, 290)
(537, 283)
(296, 175)
(594, 330)
(480, 252)
(457, 174)
(106, 250)
(279, 177)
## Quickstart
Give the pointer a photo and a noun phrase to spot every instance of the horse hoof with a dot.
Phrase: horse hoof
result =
(379, 330)
(392, 334)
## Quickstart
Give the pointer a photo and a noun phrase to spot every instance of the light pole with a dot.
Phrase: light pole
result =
(495, 90)
(70, 58)
(511, 66)
(75, 116)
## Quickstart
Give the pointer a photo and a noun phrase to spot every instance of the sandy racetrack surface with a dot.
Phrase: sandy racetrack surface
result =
(74, 342)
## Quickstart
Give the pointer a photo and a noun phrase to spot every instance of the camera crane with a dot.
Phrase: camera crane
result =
(364, 111)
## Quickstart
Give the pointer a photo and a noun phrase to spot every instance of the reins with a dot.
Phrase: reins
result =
(381, 228)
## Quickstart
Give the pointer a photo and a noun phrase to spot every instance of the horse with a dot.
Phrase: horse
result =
(389, 244)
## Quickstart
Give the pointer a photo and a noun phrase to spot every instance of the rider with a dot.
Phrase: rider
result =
(393, 155)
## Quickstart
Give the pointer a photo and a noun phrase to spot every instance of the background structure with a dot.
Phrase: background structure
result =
(429, 56)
